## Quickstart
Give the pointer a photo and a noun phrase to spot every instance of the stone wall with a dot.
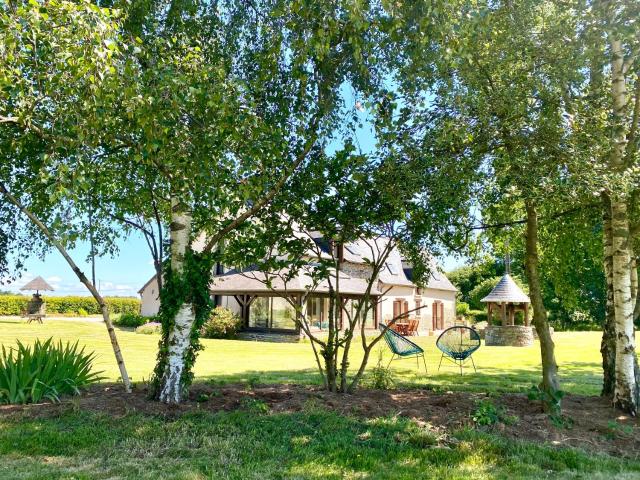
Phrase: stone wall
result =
(509, 336)
(357, 270)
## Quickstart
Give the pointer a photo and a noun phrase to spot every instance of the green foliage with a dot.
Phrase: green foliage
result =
(69, 305)
(477, 316)
(617, 430)
(462, 308)
(467, 277)
(44, 371)
(149, 328)
(191, 287)
(487, 414)
(82, 312)
(133, 320)
(551, 400)
(304, 445)
(381, 376)
(484, 288)
(480, 291)
(254, 405)
(222, 323)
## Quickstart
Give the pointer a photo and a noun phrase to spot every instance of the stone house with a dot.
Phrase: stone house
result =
(264, 311)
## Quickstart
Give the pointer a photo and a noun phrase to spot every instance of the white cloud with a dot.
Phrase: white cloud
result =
(54, 279)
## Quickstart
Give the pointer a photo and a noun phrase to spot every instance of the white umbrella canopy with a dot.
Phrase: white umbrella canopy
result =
(37, 284)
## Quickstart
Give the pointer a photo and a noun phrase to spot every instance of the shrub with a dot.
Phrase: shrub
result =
(222, 323)
(149, 328)
(29, 374)
(462, 308)
(477, 316)
(381, 377)
(486, 413)
(82, 312)
(69, 305)
(130, 320)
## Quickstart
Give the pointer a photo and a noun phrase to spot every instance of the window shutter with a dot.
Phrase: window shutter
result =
(396, 309)
(405, 308)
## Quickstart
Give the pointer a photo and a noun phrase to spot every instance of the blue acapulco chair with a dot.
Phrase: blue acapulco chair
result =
(457, 344)
(402, 347)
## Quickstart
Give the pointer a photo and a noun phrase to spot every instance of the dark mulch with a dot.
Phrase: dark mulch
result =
(593, 424)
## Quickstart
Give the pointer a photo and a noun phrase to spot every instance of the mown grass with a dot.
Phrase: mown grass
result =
(313, 444)
(500, 369)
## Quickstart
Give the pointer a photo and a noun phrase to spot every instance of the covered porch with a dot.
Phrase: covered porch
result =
(277, 304)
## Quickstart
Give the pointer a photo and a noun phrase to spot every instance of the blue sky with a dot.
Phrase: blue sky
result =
(122, 275)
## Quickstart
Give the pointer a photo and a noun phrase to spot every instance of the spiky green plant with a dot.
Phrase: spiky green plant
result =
(44, 371)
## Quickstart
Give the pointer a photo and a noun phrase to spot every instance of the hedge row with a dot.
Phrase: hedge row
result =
(72, 305)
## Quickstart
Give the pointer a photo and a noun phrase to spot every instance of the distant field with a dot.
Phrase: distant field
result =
(499, 368)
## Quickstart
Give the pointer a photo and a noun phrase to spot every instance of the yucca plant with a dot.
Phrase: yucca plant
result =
(44, 371)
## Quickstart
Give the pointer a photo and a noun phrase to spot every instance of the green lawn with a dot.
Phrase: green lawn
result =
(316, 443)
(499, 368)
(248, 445)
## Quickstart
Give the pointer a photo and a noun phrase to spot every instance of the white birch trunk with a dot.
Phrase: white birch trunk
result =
(608, 343)
(625, 395)
(179, 338)
(626, 390)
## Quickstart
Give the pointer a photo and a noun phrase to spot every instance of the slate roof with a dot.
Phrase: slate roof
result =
(506, 291)
(237, 282)
(395, 272)
(37, 283)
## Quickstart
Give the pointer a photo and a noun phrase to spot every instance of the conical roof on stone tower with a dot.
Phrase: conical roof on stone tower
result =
(507, 291)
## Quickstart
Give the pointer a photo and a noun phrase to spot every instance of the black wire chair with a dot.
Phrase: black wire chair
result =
(457, 344)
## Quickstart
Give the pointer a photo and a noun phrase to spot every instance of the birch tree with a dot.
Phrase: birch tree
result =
(619, 26)
(226, 102)
(58, 74)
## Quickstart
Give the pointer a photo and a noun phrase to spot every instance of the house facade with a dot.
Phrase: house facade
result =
(260, 298)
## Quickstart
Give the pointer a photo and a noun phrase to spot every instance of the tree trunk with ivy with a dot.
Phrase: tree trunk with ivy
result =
(550, 384)
(184, 304)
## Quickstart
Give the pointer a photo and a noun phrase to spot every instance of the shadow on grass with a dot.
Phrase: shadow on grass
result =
(578, 378)
(311, 444)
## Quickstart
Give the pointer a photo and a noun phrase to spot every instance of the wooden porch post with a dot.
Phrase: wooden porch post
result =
(526, 314)
(376, 318)
(489, 313)
(503, 309)
(299, 311)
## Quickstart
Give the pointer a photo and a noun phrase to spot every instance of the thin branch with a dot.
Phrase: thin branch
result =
(81, 276)
(523, 221)
(238, 221)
